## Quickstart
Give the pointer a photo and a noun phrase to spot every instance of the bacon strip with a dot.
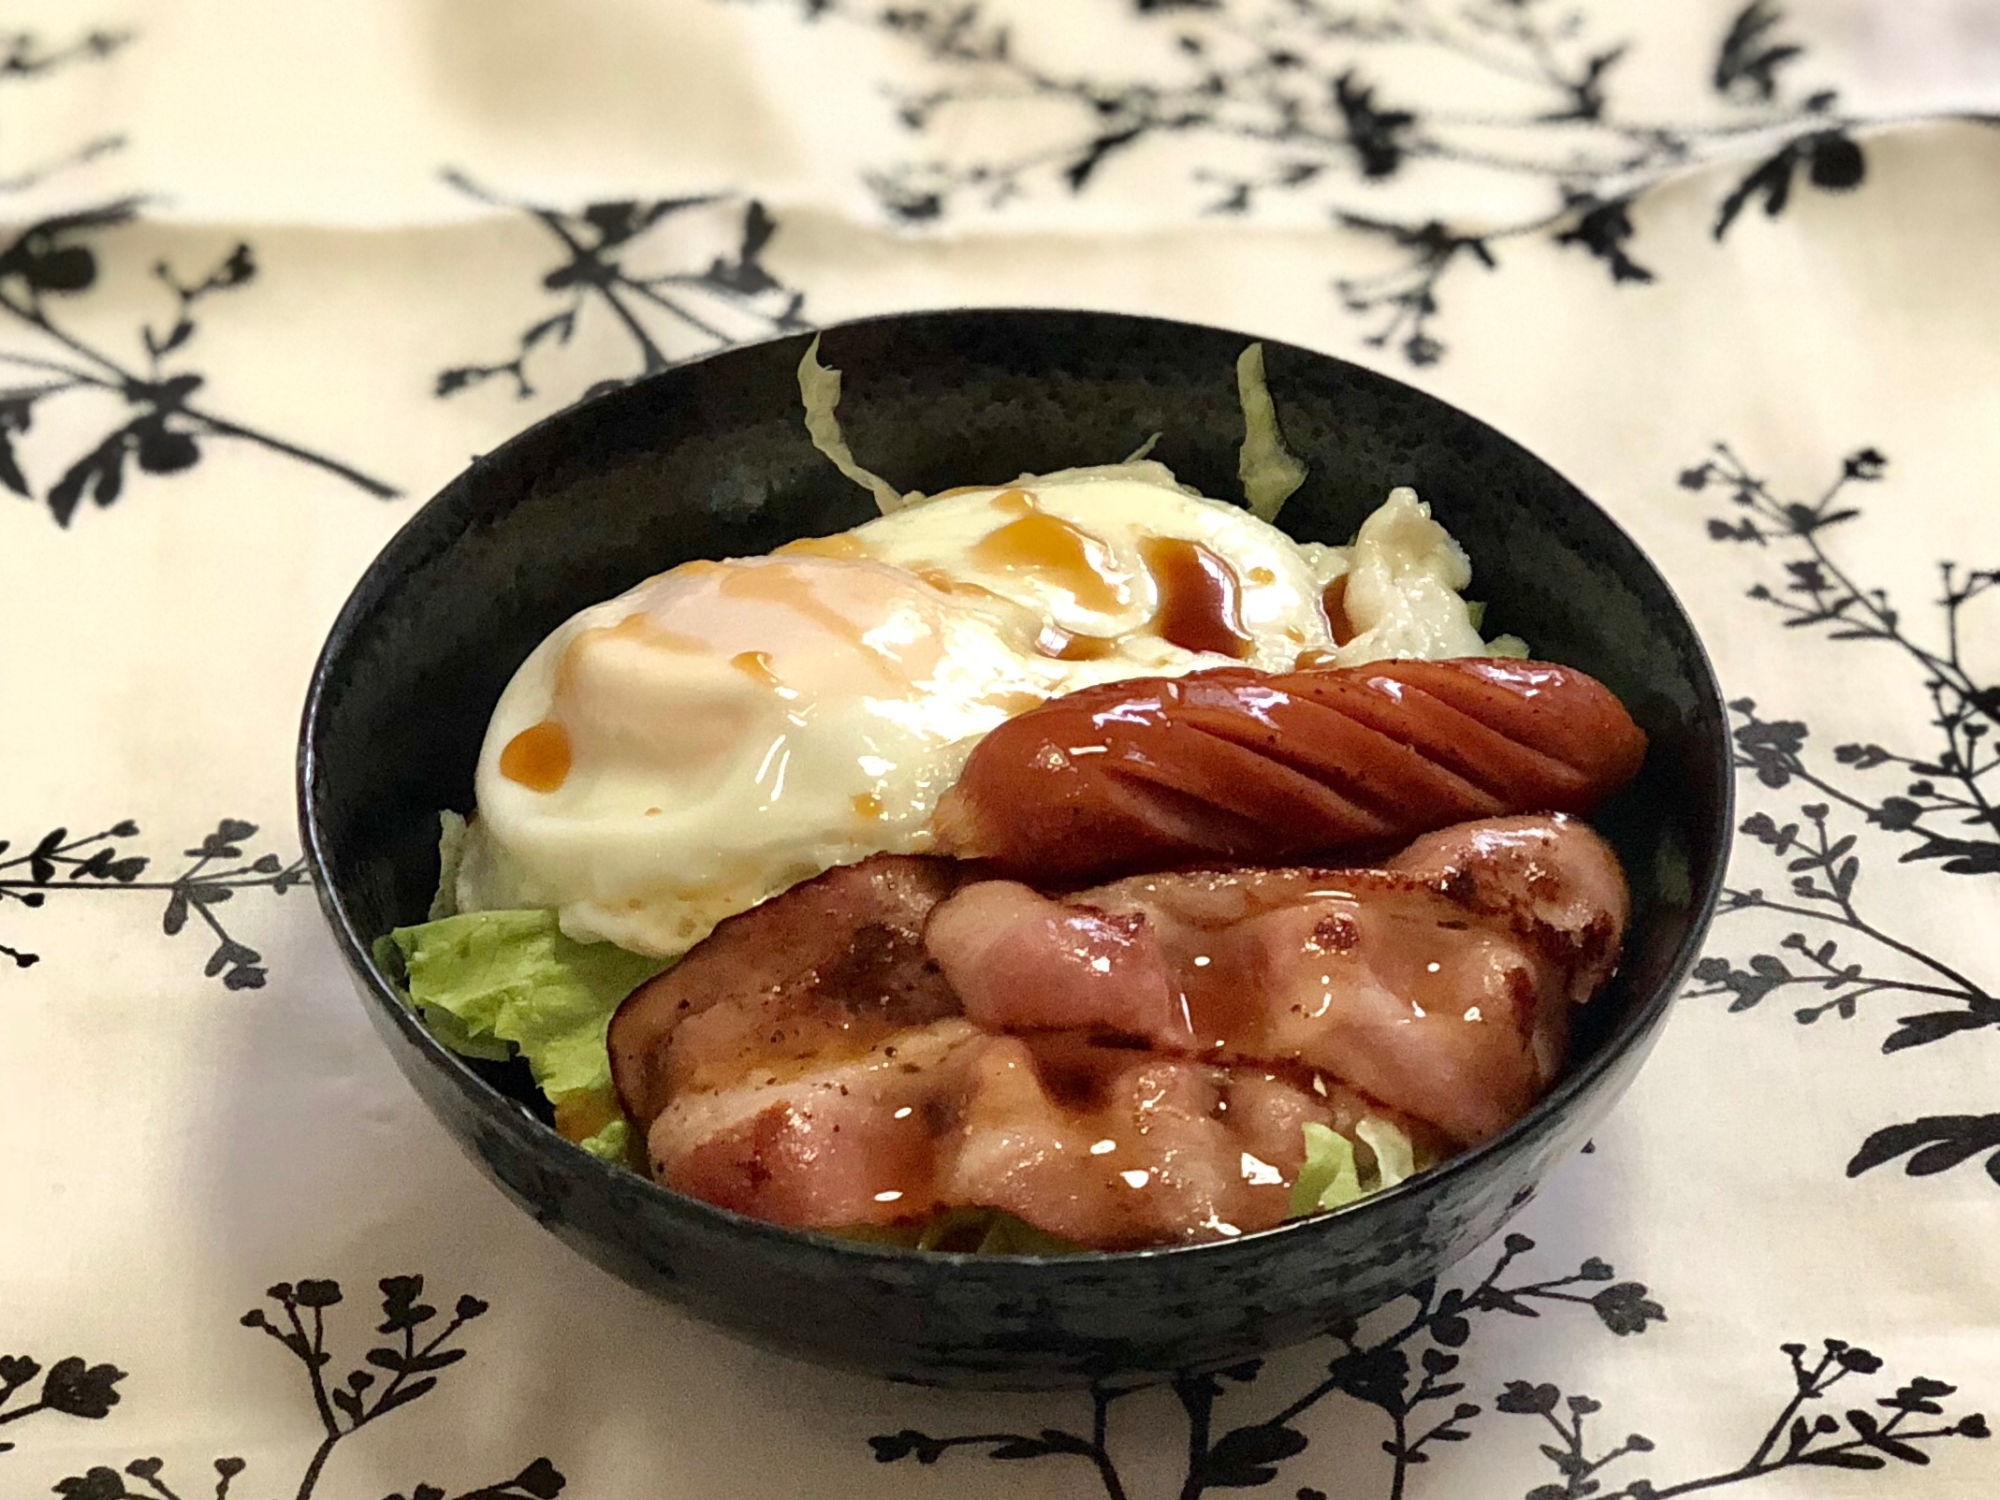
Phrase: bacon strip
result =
(1440, 985)
(837, 957)
(1126, 1065)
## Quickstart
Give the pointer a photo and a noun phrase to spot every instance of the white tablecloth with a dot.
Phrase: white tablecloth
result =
(271, 272)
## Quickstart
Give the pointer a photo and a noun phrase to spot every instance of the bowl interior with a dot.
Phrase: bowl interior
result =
(712, 460)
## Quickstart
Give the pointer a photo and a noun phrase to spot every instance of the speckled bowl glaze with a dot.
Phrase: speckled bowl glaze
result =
(711, 460)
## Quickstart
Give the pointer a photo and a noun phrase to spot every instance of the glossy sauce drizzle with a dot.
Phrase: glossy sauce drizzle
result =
(1200, 597)
(1333, 604)
(538, 757)
(842, 546)
(792, 588)
(756, 665)
(1064, 556)
(1061, 645)
(638, 628)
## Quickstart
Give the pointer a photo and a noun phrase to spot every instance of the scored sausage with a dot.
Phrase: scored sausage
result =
(1240, 765)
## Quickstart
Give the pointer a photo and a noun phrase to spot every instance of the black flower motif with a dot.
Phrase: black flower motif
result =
(1799, 1437)
(80, 1390)
(1748, 63)
(164, 426)
(1409, 1374)
(1625, 1308)
(218, 869)
(673, 309)
(72, 1387)
(401, 1370)
(1604, 228)
(1378, 137)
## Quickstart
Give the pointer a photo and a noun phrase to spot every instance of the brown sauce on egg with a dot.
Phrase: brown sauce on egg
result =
(1060, 645)
(944, 583)
(538, 758)
(639, 628)
(1333, 604)
(792, 588)
(787, 588)
(756, 665)
(1014, 703)
(1087, 648)
(843, 546)
(1200, 597)
(1065, 556)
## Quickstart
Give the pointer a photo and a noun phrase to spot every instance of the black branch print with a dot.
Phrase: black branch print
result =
(1824, 892)
(71, 1387)
(1952, 807)
(1278, 98)
(671, 295)
(1943, 814)
(26, 56)
(402, 1368)
(1805, 1434)
(62, 866)
(1407, 1370)
(155, 419)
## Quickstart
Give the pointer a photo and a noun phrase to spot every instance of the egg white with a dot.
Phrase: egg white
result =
(737, 727)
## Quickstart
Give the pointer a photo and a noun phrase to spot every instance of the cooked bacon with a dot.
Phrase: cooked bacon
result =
(1552, 877)
(848, 1136)
(1440, 985)
(1250, 767)
(839, 956)
(1022, 962)
(1110, 1147)
(1126, 1065)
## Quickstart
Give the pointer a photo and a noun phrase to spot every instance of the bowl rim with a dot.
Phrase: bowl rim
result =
(385, 568)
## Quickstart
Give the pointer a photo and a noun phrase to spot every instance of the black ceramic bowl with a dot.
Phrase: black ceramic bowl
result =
(711, 460)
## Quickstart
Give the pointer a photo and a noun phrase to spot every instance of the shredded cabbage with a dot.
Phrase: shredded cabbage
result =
(1142, 450)
(819, 389)
(1334, 1174)
(1395, 1157)
(452, 834)
(1329, 1177)
(1270, 472)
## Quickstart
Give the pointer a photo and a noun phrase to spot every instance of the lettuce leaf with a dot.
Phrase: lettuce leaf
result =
(1395, 1156)
(491, 984)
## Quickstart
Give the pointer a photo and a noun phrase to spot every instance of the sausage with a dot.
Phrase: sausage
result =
(1266, 768)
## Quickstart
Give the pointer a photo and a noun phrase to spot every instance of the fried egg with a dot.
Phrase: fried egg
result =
(727, 729)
